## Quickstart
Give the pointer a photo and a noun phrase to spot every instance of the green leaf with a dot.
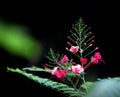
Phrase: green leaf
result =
(60, 87)
(34, 68)
(107, 87)
(87, 85)
(116, 78)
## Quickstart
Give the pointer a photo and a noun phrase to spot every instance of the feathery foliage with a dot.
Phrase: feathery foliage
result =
(60, 87)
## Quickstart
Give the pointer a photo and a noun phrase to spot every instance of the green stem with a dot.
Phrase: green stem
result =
(77, 81)
(83, 77)
(73, 85)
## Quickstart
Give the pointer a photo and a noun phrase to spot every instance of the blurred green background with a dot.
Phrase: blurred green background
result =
(17, 41)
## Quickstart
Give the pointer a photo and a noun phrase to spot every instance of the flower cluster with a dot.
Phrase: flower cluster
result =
(81, 40)
(64, 66)
(69, 69)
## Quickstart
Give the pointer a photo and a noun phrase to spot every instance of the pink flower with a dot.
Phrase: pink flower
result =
(59, 73)
(74, 49)
(54, 71)
(64, 59)
(96, 58)
(77, 69)
(83, 61)
(97, 55)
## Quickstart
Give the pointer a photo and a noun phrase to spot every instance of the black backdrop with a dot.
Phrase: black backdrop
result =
(50, 23)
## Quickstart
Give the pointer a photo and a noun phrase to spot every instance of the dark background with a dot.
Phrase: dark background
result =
(50, 22)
